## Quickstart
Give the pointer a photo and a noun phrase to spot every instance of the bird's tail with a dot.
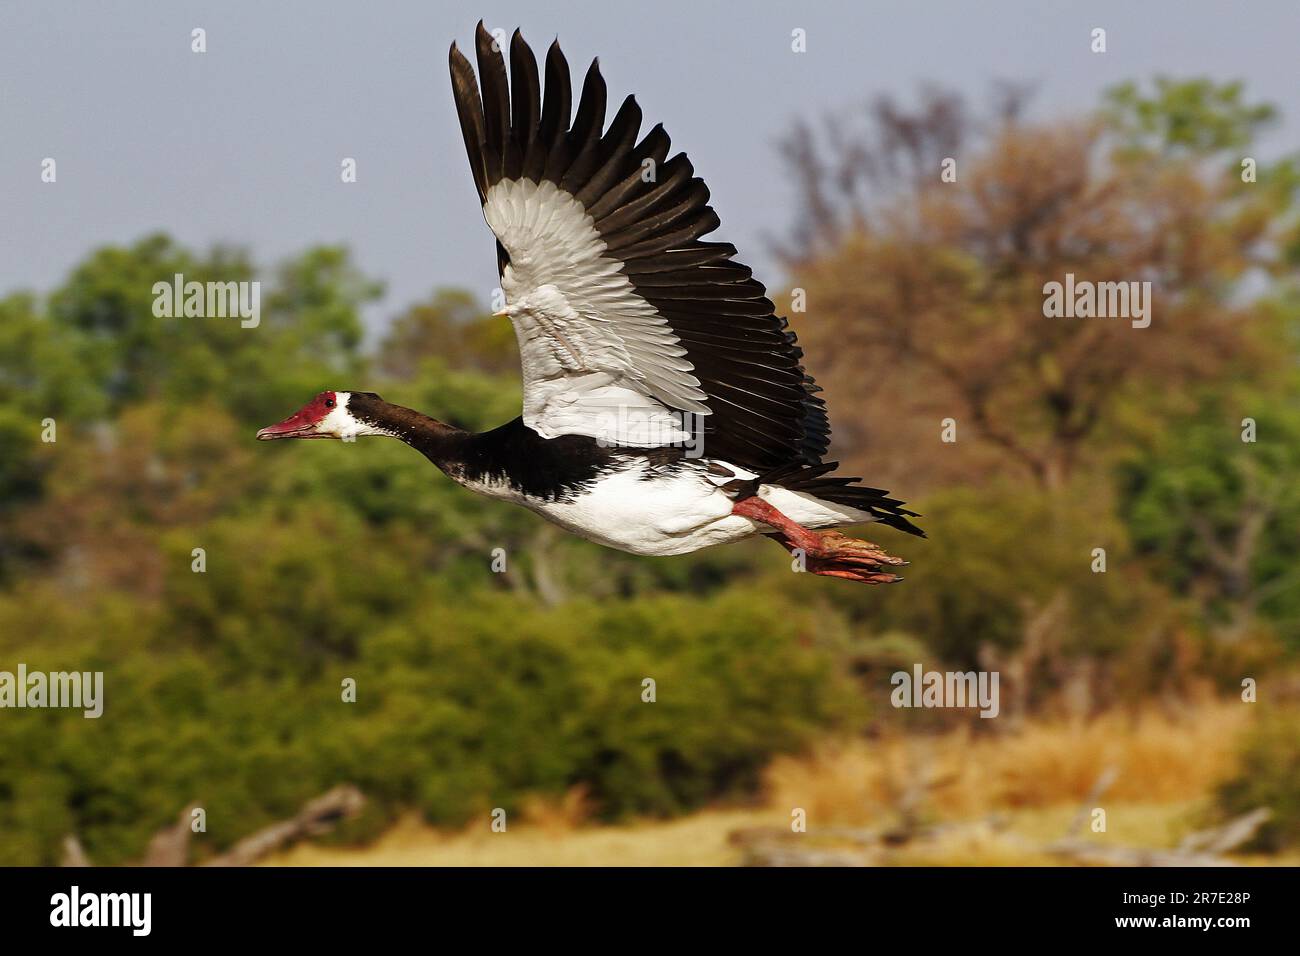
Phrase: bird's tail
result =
(817, 480)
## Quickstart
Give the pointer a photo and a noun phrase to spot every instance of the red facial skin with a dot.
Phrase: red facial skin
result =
(302, 423)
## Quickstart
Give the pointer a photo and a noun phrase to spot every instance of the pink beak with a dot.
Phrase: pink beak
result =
(297, 425)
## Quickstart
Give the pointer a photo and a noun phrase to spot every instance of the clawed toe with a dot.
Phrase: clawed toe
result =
(835, 555)
(857, 574)
(827, 553)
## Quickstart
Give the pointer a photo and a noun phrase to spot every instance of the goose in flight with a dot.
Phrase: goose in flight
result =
(665, 404)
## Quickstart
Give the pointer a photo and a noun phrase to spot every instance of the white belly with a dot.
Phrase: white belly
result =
(671, 514)
(677, 514)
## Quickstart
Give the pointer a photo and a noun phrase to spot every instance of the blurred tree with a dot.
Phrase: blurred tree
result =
(1266, 777)
(926, 297)
(925, 302)
(42, 378)
(451, 326)
(1222, 516)
(308, 334)
(327, 560)
(1197, 116)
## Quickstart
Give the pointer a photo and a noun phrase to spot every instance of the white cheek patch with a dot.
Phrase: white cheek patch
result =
(340, 423)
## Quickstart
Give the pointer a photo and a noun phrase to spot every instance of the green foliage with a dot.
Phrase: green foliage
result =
(41, 377)
(1266, 777)
(529, 700)
(233, 699)
(997, 555)
(309, 330)
(450, 325)
(1196, 116)
(1218, 516)
(327, 561)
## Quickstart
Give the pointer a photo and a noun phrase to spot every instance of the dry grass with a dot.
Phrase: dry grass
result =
(562, 815)
(698, 840)
(1158, 758)
(1035, 777)
(704, 839)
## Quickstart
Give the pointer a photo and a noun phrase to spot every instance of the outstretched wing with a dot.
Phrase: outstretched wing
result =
(631, 328)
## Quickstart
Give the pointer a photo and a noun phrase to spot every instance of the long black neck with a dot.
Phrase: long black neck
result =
(437, 441)
(513, 454)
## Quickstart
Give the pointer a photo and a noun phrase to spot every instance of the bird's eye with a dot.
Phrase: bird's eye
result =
(329, 403)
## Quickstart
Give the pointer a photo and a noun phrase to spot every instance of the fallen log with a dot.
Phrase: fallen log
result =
(316, 817)
(170, 846)
(847, 846)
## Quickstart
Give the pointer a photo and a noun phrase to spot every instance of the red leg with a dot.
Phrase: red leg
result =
(827, 553)
(756, 509)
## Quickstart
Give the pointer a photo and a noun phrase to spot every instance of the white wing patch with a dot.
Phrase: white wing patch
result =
(598, 359)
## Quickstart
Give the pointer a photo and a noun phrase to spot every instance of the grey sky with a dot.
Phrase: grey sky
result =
(243, 143)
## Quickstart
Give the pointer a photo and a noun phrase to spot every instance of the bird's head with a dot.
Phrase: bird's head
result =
(343, 415)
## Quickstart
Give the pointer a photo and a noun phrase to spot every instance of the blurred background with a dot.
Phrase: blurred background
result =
(521, 691)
